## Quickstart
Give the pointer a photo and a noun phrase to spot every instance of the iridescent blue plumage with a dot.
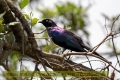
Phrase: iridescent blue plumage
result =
(65, 38)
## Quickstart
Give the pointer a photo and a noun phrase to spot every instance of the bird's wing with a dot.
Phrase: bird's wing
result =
(65, 39)
(72, 40)
(75, 40)
(79, 40)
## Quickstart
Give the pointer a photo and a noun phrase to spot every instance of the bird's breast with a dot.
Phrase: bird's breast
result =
(55, 32)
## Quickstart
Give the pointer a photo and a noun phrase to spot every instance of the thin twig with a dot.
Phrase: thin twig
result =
(114, 22)
(115, 51)
(89, 61)
(105, 26)
(41, 32)
(85, 53)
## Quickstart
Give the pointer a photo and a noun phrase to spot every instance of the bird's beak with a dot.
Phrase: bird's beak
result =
(40, 22)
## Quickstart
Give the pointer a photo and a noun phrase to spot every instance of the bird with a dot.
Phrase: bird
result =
(65, 38)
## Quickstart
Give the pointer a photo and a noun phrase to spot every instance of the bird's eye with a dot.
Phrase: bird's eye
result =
(50, 21)
(46, 20)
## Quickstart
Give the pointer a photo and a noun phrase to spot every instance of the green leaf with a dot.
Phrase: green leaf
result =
(1, 36)
(109, 45)
(14, 60)
(52, 46)
(119, 29)
(34, 21)
(1, 26)
(48, 13)
(45, 34)
(46, 48)
(1, 15)
(27, 16)
(23, 3)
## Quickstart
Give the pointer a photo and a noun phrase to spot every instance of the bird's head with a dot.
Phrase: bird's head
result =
(48, 23)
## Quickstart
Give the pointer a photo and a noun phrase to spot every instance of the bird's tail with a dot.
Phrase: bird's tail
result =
(102, 58)
(95, 53)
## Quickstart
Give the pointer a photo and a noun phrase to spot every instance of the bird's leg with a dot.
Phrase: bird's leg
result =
(63, 50)
(68, 58)
(59, 51)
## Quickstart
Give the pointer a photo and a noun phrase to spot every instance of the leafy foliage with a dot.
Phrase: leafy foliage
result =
(1, 22)
(72, 15)
(34, 21)
(1, 26)
(30, 18)
(23, 3)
